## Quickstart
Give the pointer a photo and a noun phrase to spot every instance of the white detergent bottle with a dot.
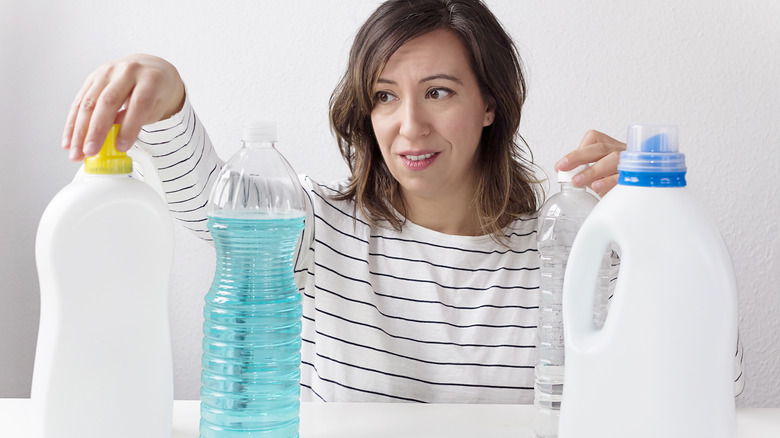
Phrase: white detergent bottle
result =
(663, 363)
(103, 365)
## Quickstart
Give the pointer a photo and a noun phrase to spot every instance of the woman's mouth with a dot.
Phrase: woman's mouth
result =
(418, 157)
(420, 161)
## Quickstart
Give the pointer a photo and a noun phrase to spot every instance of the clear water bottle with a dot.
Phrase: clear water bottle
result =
(252, 329)
(559, 221)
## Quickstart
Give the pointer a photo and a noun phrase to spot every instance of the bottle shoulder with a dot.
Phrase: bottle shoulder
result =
(649, 202)
(658, 216)
(267, 178)
(569, 203)
(115, 190)
(119, 197)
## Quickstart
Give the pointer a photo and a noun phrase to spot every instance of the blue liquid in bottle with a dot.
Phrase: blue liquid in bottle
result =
(252, 329)
(250, 384)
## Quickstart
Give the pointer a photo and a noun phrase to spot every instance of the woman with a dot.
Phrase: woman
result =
(419, 273)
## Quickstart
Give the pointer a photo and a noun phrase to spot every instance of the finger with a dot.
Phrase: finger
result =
(588, 154)
(604, 185)
(593, 136)
(120, 116)
(84, 116)
(143, 107)
(108, 105)
(594, 145)
(70, 120)
(604, 167)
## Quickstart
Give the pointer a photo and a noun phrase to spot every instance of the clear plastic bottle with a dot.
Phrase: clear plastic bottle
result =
(560, 218)
(103, 364)
(252, 329)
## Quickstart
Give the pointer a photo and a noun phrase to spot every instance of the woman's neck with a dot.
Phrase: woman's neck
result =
(452, 215)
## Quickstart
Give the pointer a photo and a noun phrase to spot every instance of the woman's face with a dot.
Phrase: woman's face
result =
(428, 117)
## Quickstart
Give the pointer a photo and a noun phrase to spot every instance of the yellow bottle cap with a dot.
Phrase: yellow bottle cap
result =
(109, 161)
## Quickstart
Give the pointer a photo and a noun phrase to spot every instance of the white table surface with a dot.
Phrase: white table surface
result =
(396, 420)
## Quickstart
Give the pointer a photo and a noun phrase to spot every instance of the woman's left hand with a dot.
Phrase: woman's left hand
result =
(601, 150)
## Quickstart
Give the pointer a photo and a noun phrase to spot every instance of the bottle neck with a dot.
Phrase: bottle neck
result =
(569, 187)
(105, 176)
(259, 144)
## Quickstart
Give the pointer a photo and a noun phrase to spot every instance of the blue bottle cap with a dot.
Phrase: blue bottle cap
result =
(651, 158)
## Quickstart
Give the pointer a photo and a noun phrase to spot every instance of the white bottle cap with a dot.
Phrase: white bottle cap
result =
(566, 176)
(258, 131)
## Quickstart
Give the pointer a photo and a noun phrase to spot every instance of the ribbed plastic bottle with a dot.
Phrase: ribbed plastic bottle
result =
(663, 363)
(560, 218)
(252, 329)
(103, 364)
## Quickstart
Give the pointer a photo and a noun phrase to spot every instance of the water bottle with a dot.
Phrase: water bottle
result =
(104, 248)
(663, 362)
(252, 329)
(560, 218)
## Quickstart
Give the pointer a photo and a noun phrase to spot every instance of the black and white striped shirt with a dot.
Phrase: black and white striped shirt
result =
(414, 315)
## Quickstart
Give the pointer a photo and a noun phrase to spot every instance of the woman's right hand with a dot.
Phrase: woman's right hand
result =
(133, 91)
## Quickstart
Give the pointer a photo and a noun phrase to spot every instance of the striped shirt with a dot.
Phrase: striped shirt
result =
(412, 315)
(416, 315)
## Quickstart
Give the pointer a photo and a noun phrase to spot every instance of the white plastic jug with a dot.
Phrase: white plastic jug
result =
(662, 365)
(103, 365)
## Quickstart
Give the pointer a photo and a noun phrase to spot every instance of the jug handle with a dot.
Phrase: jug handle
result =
(150, 175)
(582, 268)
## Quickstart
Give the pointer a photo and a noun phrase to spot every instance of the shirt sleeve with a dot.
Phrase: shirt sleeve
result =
(304, 252)
(186, 163)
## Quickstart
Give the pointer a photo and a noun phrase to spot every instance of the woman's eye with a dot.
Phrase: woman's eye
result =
(384, 97)
(439, 93)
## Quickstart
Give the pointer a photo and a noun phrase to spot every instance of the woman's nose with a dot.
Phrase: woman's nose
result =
(414, 120)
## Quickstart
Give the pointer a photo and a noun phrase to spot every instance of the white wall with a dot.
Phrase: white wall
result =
(711, 68)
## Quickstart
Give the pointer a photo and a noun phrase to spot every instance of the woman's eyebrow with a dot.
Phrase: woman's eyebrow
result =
(425, 79)
(442, 76)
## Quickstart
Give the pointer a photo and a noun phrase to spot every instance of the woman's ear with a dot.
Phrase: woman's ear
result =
(490, 111)
(490, 116)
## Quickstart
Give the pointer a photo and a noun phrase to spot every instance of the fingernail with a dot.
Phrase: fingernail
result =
(122, 145)
(577, 180)
(597, 186)
(562, 163)
(90, 148)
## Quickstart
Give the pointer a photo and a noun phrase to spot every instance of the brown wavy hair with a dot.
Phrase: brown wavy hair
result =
(507, 188)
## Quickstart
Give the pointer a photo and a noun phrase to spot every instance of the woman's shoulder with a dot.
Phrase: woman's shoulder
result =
(521, 226)
(330, 189)
(329, 193)
(325, 200)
